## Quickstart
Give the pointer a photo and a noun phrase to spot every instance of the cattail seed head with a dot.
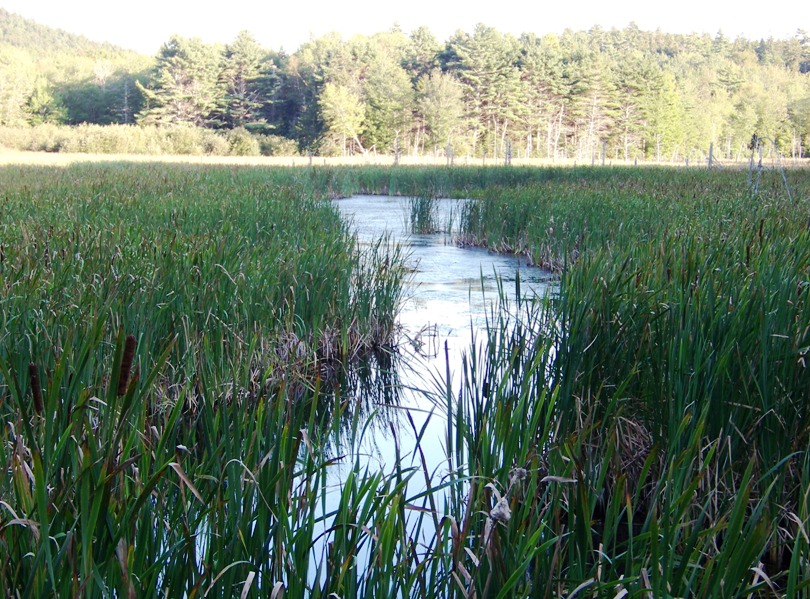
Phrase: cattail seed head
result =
(36, 388)
(126, 364)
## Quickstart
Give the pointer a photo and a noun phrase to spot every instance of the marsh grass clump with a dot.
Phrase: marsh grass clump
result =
(423, 216)
(242, 288)
(679, 423)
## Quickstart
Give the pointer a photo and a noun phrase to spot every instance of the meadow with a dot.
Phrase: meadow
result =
(177, 343)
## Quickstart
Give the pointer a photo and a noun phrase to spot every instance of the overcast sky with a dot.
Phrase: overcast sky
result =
(146, 24)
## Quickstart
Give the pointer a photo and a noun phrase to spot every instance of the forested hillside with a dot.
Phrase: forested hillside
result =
(49, 75)
(573, 95)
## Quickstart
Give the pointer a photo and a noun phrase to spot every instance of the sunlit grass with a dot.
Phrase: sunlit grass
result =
(681, 386)
(174, 340)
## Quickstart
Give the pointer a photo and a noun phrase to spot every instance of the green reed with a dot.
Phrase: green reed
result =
(243, 295)
(681, 391)
(423, 216)
(642, 431)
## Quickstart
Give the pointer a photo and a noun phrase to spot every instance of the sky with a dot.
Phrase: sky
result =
(145, 25)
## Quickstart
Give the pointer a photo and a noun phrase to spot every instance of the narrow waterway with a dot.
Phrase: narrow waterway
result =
(451, 292)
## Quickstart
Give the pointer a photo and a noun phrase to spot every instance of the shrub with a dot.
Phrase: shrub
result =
(242, 143)
(276, 145)
(184, 140)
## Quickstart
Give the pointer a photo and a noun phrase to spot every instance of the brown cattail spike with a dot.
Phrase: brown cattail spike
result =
(36, 388)
(126, 364)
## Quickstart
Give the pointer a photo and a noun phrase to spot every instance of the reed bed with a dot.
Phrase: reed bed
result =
(165, 333)
(185, 355)
(680, 416)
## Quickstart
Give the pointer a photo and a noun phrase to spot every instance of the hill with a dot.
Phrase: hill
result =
(50, 75)
(25, 34)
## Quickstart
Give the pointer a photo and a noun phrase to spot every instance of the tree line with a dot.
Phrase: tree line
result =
(625, 94)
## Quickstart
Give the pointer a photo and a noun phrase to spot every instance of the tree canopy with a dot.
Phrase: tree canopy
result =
(627, 92)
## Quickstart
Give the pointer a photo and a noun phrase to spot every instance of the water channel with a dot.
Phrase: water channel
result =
(450, 293)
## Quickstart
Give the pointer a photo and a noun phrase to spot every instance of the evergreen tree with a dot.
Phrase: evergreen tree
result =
(590, 101)
(646, 94)
(541, 70)
(183, 88)
(421, 54)
(243, 68)
(634, 84)
(486, 62)
(664, 131)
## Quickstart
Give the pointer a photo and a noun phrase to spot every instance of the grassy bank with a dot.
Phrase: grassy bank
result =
(678, 375)
(164, 331)
(172, 347)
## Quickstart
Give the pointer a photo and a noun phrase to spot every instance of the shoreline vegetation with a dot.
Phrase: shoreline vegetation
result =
(44, 158)
(171, 352)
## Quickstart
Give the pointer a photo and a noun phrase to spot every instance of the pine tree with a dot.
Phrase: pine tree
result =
(486, 62)
(421, 54)
(183, 87)
(244, 67)
(541, 71)
(590, 101)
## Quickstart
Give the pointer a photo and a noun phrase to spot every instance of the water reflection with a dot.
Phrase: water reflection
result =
(452, 292)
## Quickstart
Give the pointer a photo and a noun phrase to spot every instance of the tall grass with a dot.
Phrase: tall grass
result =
(423, 215)
(679, 373)
(242, 296)
(176, 422)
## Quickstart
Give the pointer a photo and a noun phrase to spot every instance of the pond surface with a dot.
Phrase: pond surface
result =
(451, 291)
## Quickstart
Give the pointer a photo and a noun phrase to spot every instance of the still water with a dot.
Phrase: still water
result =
(450, 293)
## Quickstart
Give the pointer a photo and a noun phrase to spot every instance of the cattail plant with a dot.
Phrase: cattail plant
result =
(36, 387)
(126, 365)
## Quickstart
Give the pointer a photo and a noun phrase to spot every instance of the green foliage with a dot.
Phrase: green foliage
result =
(244, 78)
(242, 291)
(627, 94)
(131, 139)
(42, 107)
(677, 438)
(487, 64)
(23, 33)
(183, 88)
(389, 104)
(275, 145)
(242, 143)
(343, 115)
(105, 99)
(439, 101)
(641, 431)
